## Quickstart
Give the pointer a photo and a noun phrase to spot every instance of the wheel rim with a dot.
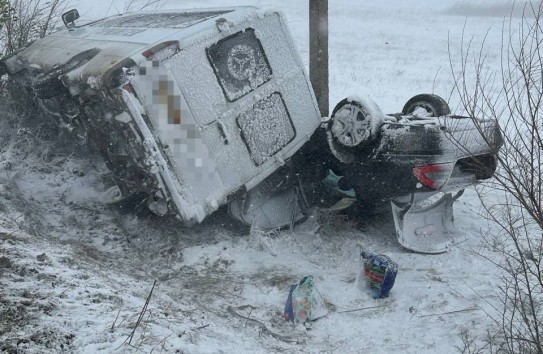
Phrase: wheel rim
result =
(351, 125)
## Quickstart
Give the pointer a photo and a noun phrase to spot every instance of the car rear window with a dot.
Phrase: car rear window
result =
(161, 20)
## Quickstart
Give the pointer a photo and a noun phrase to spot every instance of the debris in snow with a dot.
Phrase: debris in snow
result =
(142, 313)
(5, 262)
(41, 257)
(380, 273)
(304, 302)
(262, 326)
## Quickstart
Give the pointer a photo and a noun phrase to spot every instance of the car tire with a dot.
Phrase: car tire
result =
(352, 127)
(352, 121)
(433, 104)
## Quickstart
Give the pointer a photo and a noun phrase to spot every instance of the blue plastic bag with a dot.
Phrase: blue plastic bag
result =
(379, 272)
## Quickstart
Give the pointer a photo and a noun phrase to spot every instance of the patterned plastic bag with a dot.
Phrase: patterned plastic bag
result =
(380, 273)
(304, 302)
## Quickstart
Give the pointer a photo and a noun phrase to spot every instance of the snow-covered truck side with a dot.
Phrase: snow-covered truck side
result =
(191, 108)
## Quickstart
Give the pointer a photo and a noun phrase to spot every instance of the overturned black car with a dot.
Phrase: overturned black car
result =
(421, 150)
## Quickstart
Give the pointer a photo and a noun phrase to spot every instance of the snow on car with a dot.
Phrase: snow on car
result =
(410, 157)
(194, 109)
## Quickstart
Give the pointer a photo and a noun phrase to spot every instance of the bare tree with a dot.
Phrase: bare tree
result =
(513, 199)
(26, 20)
(5, 12)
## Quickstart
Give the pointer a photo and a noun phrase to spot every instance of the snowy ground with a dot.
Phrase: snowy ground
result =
(74, 275)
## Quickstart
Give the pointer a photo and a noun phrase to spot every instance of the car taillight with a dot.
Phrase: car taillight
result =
(162, 51)
(433, 176)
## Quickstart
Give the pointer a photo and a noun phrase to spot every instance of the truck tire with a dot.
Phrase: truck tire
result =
(433, 104)
(49, 85)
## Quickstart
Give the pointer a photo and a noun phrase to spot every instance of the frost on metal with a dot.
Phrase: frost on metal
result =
(159, 20)
(266, 128)
(240, 64)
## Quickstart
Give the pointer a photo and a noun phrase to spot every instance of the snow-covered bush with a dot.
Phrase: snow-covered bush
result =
(513, 200)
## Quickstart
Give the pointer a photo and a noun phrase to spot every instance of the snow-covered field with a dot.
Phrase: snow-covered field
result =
(75, 276)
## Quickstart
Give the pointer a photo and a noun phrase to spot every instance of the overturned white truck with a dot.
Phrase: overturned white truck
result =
(194, 109)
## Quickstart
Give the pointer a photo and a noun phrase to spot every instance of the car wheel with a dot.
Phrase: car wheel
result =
(353, 125)
(352, 121)
(434, 106)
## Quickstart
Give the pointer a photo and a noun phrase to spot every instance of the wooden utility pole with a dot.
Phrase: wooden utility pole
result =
(318, 52)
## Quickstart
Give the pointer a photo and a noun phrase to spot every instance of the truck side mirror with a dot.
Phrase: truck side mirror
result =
(69, 18)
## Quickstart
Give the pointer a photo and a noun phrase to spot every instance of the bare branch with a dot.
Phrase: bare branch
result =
(514, 96)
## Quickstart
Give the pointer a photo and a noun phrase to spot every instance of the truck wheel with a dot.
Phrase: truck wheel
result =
(352, 123)
(434, 105)
(49, 85)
